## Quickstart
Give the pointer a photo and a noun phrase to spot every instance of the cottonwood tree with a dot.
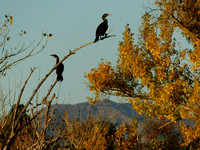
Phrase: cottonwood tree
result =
(159, 74)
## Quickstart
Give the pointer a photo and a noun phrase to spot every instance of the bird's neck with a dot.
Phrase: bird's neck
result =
(105, 20)
(57, 60)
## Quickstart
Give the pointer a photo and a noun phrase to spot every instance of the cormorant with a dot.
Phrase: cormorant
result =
(59, 68)
(101, 29)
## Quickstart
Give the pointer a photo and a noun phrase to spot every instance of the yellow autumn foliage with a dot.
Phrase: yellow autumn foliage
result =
(156, 75)
(120, 140)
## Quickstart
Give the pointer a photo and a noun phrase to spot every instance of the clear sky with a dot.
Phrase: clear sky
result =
(72, 23)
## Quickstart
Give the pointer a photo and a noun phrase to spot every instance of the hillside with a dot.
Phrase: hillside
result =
(105, 109)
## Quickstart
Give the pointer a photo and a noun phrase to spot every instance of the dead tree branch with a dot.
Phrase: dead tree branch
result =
(46, 76)
(48, 103)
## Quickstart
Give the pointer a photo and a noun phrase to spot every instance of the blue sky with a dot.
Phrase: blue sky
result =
(72, 23)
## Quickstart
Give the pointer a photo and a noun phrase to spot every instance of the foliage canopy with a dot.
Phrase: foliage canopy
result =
(158, 75)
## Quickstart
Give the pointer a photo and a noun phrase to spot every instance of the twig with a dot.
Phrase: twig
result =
(42, 133)
(47, 119)
(34, 123)
(165, 125)
(48, 93)
(19, 98)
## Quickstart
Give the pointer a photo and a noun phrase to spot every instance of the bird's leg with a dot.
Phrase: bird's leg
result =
(103, 37)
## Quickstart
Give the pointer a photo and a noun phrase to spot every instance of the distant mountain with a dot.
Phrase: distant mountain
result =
(105, 109)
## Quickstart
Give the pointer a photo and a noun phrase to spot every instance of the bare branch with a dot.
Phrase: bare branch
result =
(34, 123)
(47, 118)
(51, 88)
(46, 76)
(22, 49)
(19, 98)
(42, 134)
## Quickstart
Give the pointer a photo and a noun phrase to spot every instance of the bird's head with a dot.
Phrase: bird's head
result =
(105, 15)
(54, 55)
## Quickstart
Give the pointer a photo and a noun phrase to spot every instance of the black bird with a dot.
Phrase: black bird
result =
(101, 29)
(59, 68)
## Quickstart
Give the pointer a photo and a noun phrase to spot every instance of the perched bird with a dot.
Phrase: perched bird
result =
(59, 68)
(101, 29)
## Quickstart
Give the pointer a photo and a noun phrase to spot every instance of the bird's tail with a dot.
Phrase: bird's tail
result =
(60, 77)
(96, 39)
